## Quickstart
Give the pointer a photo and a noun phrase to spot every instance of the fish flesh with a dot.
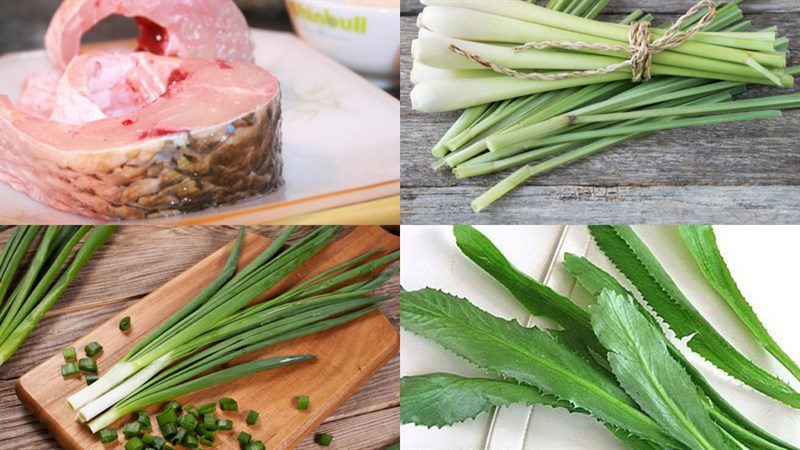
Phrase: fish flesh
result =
(143, 134)
(207, 29)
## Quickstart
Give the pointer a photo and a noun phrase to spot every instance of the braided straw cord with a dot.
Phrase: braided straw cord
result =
(639, 48)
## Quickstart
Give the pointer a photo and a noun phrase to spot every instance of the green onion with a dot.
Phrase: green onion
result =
(228, 404)
(210, 422)
(41, 286)
(223, 323)
(90, 378)
(158, 443)
(191, 409)
(144, 419)
(125, 323)
(166, 417)
(252, 417)
(148, 438)
(174, 407)
(87, 365)
(254, 445)
(178, 438)
(243, 438)
(70, 369)
(224, 424)
(302, 402)
(188, 422)
(131, 429)
(135, 444)
(323, 439)
(190, 441)
(92, 349)
(70, 354)
(207, 440)
(207, 408)
(169, 430)
(108, 435)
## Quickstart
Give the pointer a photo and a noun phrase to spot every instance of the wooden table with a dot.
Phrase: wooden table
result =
(746, 172)
(134, 262)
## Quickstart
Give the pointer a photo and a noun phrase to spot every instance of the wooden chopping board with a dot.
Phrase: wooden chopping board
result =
(346, 356)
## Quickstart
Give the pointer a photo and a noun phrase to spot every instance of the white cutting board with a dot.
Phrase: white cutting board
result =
(341, 138)
(763, 260)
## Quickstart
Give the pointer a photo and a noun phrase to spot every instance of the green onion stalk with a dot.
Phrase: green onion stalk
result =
(46, 278)
(223, 323)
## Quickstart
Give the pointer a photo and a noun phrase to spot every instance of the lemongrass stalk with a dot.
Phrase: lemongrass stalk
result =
(522, 174)
(741, 26)
(435, 52)
(723, 46)
(421, 73)
(656, 91)
(93, 242)
(495, 162)
(466, 119)
(213, 379)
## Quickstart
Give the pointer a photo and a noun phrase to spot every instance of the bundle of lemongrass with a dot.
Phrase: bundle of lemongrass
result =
(510, 121)
(218, 326)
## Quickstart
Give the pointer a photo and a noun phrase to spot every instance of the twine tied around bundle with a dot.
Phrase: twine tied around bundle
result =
(639, 48)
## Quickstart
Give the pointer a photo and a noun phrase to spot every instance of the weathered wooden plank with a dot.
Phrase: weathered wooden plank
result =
(592, 204)
(736, 156)
(412, 7)
(162, 252)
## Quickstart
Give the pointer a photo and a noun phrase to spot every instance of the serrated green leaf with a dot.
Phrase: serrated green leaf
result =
(641, 361)
(595, 280)
(528, 355)
(538, 299)
(442, 399)
(632, 257)
(702, 245)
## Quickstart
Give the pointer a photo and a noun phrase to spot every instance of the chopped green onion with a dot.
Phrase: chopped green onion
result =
(188, 423)
(144, 419)
(252, 417)
(91, 378)
(224, 424)
(69, 369)
(166, 418)
(135, 444)
(158, 443)
(228, 404)
(255, 445)
(70, 354)
(148, 438)
(108, 435)
(87, 365)
(125, 324)
(173, 406)
(168, 430)
(189, 441)
(210, 422)
(178, 438)
(207, 408)
(207, 440)
(191, 409)
(323, 439)
(201, 429)
(131, 429)
(92, 349)
(243, 438)
(167, 447)
(302, 402)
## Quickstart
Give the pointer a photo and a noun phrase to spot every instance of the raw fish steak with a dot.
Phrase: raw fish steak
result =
(138, 135)
(208, 29)
(182, 134)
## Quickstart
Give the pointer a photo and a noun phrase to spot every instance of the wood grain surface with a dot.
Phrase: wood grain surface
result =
(148, 257)
(746, 172)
